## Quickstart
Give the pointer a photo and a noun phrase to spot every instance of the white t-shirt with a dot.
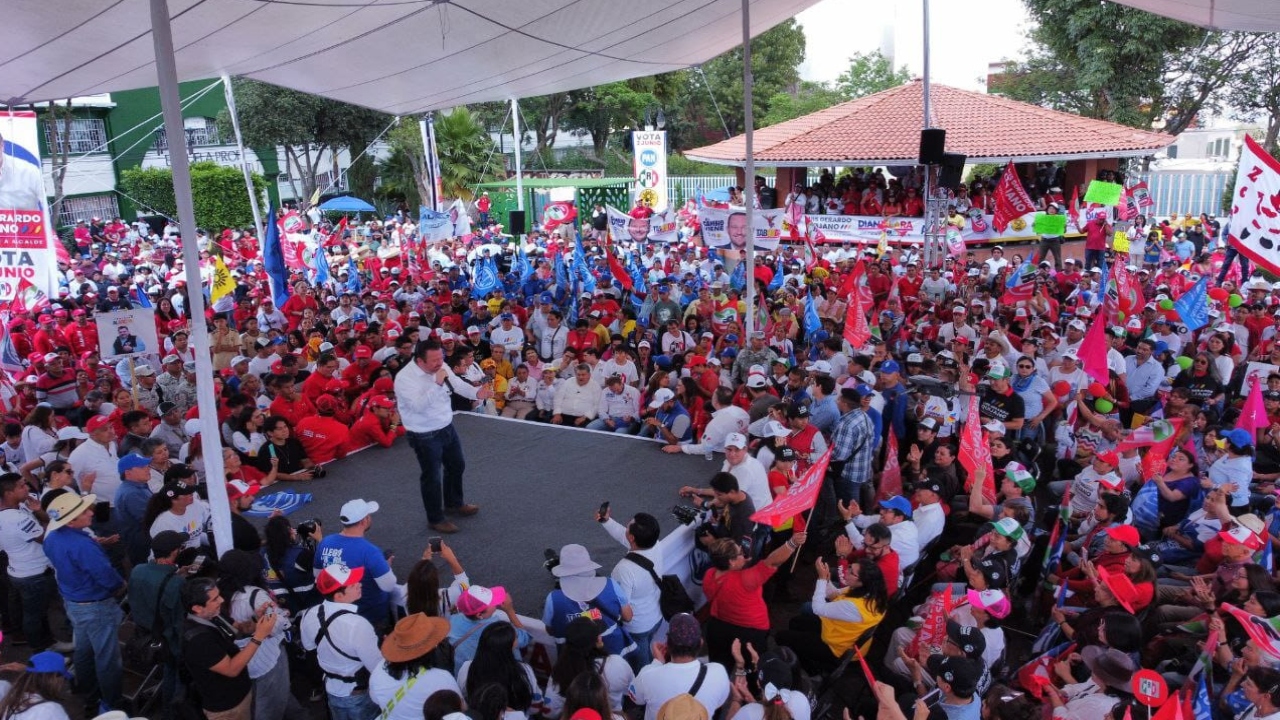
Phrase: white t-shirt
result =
(383, 687)
(659, 682)
(47, 710)
(20, 534)
(194, 522)
(617, 676)
(533, 683)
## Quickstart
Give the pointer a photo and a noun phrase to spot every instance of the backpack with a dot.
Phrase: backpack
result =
(673, 599)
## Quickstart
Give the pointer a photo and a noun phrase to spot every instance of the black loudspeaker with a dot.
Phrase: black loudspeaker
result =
(952, 170)
(516, 225)
(932, 144)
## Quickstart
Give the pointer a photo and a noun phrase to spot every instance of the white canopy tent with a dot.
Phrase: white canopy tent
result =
(399, 56)
(1247, 15)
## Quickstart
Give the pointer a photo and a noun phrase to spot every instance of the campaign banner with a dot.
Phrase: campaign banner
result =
(127, 333)
(1255, 207)
(650, 164)
(27, 240)
(910, 230)
(727, 228)
(660, 227)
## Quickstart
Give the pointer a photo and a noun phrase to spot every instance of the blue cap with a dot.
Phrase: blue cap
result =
(731, 338)
(545, 297)
(1161, 346)
(663, 362)
(664, 288)
(48, 662)
(1239, 438)
(821, 335)
(131, 461)
(890, 366)
(864, 389)
(897, 502)
(278, 341)
(506, 316)
(730, 352)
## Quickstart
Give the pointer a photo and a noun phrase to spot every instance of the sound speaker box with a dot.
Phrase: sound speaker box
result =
(952, 170)
(932, 144)
(517, 226)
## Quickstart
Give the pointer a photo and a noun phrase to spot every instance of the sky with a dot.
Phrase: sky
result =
(964, 37)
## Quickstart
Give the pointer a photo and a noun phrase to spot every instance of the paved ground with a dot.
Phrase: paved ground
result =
(538, 487)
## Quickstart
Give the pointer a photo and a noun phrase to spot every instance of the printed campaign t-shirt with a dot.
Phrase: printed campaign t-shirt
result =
(357, 552)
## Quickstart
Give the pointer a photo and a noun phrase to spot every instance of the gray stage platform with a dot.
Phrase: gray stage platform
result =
(538, 486)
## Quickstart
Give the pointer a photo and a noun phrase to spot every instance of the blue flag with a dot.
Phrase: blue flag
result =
(738, 280)
(323, 276)
(524, 270)
(1193, 306)
(812, 323)
(776, 282)
(273, 261)
(353, 275)
(486, 278)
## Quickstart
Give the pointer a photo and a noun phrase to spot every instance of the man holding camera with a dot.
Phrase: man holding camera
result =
(217, 665)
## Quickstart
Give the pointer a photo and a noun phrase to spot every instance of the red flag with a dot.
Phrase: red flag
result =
(1018, 293)
(810, 252)
(1093, 353)
(1155, 461)
(1011, 199)
(1128, 292)
(891, 475)
(555, 214)
(1262, 631)
(28, 298)
(800, 496)
(850, 283)
(619, 273)
(856, 330)
(933, 631)
(976, 453)
(1036, 674)
(1073, 210)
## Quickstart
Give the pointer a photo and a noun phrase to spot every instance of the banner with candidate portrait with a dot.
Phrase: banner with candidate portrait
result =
(127, 333)
(28, 245)
(660, 227)
(727, 228)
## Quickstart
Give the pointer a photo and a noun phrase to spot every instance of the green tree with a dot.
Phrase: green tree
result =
(1117, 63)
(1255, 94)
(217, 192)
(468, 155)
(601, 111)
(776, 56)
(305, 126)
(809, 98)
(868, 74)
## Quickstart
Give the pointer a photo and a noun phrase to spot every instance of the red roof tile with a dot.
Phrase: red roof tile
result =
(885, 128)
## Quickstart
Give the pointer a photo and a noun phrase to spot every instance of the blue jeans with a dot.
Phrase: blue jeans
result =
(353, 707)
(34, 593)
(1232, 254)
(1094, 259)
(435, 449)
(96, 625)
(620, 426)
(643, 654)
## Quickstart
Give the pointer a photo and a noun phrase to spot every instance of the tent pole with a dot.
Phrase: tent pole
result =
(431, 159)
(170, 103)
(244, 158)
(515, 132)
(749, 169)
(928, 120)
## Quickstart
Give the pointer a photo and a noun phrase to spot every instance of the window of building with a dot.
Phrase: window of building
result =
(200, 132)
(88, 207)
(86, 135)
(1172, 152)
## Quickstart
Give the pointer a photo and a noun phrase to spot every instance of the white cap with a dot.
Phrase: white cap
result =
(326, 347)
(995, 426)
(773, 428)
(662, 395)
(819, 366)
(353, 511)
(757, 380)
(735, 440)
(192, 427)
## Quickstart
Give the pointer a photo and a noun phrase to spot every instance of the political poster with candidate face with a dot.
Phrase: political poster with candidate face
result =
(127, 333)
(659, 227)
(27, 242)
(727, 228)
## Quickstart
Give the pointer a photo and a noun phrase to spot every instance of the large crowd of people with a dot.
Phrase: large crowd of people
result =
(983, 473)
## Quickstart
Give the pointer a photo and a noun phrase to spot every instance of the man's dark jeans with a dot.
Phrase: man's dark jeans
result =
(442, 447)
(34, 594)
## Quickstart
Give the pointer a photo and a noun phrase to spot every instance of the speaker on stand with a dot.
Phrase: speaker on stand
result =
(932, 146)
(516, 226)
(952, 170)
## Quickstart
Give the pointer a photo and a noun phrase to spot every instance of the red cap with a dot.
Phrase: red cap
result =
(97, 422)
(382, 401)
(384, 385)
(277, 368)
(1109, 457)
(1126, 534)
(363, 352)
(1120, 586)
(336, 385)
(326, 404)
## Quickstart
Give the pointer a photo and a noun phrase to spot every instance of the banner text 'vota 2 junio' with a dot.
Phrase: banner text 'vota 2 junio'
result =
(26, 234)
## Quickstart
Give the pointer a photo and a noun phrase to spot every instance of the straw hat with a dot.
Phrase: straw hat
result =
(413, 637)
(68, 507)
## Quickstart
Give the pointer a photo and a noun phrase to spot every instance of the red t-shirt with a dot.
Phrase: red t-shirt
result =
(323, 438)
(736, 596)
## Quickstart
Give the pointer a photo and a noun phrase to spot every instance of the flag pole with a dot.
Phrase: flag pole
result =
(244, 159)
(796, 557)
(748, 169)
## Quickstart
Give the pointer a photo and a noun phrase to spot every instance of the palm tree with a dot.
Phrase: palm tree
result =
(467, 153)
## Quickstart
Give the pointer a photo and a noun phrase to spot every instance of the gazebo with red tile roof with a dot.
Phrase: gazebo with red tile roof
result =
(884, 129)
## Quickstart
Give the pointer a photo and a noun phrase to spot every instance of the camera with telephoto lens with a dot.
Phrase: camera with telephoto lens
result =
(307, 531)
(551, 559)
(686, 514)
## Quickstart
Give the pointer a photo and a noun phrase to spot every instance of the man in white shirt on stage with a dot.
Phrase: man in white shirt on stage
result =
(423, 390)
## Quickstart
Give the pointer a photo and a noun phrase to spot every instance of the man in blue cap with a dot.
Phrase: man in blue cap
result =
(131, 505)
(895, 513)
(895, 396)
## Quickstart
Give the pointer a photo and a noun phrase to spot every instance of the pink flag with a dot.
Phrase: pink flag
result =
(1093, 353)
(975, 452)
(856, 330)
(891, 475)
(1254, 415)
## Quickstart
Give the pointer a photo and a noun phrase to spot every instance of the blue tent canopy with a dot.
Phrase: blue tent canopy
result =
(346, 203)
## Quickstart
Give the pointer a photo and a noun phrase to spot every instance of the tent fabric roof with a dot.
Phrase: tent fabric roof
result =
(346, 203)
(547, 183)
(884, 129)
(398, 56)
(1247, 15)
